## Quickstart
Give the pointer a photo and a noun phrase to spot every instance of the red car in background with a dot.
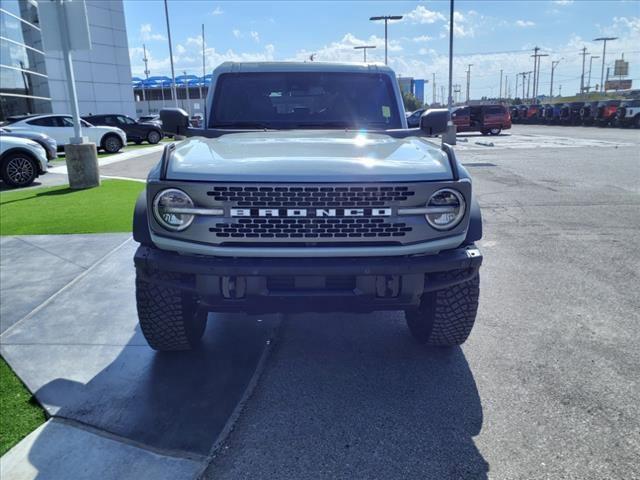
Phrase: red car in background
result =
(487, 119)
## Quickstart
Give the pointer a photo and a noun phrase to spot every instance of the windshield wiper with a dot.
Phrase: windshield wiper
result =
(323, 125)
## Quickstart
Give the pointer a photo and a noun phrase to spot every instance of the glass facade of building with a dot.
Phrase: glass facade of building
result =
(23, 78)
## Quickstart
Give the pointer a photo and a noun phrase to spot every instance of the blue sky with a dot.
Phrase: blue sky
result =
(491, 35)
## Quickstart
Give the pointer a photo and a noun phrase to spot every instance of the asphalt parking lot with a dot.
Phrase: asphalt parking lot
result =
(547, 385)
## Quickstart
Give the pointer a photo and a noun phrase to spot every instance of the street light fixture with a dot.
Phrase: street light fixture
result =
(590, 65)
(386, 19)
(604, 53)
(364, 50)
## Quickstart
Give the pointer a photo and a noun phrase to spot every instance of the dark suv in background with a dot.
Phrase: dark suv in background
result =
(487, 119)
(136, 131)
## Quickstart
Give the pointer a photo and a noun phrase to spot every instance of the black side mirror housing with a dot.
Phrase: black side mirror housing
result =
(434, 121)
(175, 121)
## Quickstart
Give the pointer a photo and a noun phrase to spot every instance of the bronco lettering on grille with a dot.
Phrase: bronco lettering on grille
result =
(305, 212)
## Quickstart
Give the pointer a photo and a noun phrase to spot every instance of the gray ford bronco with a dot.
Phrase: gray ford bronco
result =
(306, 191)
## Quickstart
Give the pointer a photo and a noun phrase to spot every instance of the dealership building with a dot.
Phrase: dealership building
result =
(33, 79)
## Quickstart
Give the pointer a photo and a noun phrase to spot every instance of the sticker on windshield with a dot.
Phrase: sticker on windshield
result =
(386, 111)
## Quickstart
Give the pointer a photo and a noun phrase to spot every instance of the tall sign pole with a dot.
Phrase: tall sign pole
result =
(56, 17)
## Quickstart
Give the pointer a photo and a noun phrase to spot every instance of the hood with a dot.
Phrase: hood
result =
(308, 156)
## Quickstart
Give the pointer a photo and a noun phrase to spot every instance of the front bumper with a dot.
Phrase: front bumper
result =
(263, 285)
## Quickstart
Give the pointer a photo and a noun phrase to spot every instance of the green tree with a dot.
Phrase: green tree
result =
(410, 101)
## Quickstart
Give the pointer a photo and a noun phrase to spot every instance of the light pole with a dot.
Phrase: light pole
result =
(173, 75)
(203, 83)
(468, 80)
(364, 50)
(604, 53)
(590, 65)
(386, 19)
(554, 64)
(500, 94)
(186, 89)
(146, 73)
(450, 135)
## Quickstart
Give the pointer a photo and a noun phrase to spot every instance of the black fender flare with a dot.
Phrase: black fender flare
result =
(141, 232)
(474, 232)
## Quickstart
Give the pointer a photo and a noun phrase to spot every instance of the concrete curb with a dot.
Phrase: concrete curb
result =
(120, 157)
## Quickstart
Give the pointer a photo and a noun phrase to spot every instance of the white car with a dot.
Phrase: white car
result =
(21, 161)
(60, 128)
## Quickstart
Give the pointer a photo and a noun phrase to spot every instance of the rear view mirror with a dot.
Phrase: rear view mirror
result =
(434, 121)
(175, 121)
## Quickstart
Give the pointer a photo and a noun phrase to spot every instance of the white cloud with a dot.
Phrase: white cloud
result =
(462, 25)
(422, 38)
(236, 33)
(147, 35)
(525, 23)
(563, 2)
(255, 36)
(422, 14)
(217, 11)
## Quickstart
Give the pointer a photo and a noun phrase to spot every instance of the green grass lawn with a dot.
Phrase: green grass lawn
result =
(60, 210)
(19, 412)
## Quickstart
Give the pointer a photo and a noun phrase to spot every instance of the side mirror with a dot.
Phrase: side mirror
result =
(175, 121)
(434, 121)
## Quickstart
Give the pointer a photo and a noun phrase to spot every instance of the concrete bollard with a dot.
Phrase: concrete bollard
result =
(82, 165)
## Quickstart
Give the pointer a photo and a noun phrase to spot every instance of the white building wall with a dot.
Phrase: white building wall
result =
(103, 74)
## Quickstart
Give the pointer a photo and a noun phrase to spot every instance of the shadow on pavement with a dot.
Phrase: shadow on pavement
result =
(177, 402)
(354, 396)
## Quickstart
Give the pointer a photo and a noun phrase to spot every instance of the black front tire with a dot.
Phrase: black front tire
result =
(18, 170)
(112, 143)
(169, 318)
(445, 317)
(495, 131)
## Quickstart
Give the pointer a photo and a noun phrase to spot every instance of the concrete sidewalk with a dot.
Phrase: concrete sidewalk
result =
(71, 335)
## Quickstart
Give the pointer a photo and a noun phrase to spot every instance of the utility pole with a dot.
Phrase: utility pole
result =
(386, 19)
(604, 54)
(590, 65)
(515, 92)
(536, 49)
(146, 73)
(173, 75)
(554, 64)
(469, 80)
(528, 83)
(560, 90)
(500, 94)
(584, 56)
(364, 50)
(456, 91)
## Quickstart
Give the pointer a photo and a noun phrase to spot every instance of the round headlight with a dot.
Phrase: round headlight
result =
(167, 208)
(445, 209)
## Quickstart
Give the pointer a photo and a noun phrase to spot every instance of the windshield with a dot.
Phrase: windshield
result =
(284, 100)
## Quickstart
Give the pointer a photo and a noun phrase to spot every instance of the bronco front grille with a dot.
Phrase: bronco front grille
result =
(311, 228)
(317, 197)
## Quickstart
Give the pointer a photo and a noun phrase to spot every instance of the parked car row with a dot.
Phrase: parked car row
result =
(28, 142)
(614, 113)
(486, 119)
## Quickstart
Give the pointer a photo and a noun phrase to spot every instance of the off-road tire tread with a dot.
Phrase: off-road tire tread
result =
(450, 314)
(162, 314)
